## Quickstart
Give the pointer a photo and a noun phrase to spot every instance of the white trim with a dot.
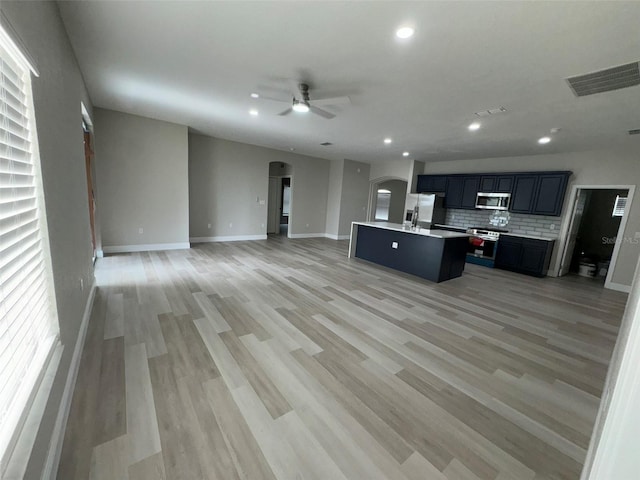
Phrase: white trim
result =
(22, 451)
(618, 287)
(100, 253)
(337, 237)
(566, 223)
(307, 235)
(228, 238)
(57, 437)
(146, 247)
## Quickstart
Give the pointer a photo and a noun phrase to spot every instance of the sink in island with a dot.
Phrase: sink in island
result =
(435, 255)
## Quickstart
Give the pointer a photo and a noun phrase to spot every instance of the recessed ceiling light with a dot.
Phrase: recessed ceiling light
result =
(387, 141)
(254, 95)
(474, 126)
(253, 112)
(544, 140)
(404, 32)
(405, 154)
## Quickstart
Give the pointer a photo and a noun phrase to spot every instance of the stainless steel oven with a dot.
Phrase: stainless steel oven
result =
(482, 246)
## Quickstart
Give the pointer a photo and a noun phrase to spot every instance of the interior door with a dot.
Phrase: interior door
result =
(88, 156)
(576, 219)
(273, 213)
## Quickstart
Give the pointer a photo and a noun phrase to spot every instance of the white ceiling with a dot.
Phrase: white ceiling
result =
(196, 63)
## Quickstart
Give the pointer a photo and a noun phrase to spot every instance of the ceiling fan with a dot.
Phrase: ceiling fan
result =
(302, 103)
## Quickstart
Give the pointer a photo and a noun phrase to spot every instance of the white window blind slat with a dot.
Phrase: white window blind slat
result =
(28, 326)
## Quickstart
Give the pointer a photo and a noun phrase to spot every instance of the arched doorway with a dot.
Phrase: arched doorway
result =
(387, 198)
(280, 198)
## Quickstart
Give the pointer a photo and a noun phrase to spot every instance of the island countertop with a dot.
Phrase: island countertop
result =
(419, 231)
(436, 255)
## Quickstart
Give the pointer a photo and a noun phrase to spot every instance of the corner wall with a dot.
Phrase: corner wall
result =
(142, 182)
(57, 94)
(227, 181)
(607, 167)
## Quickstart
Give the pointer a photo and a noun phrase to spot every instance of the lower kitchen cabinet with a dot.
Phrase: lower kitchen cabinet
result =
(524, 255)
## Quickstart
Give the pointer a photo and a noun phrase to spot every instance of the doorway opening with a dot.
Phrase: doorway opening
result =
(87, 128)
(279, 211)
(595, 233)
(387, 200)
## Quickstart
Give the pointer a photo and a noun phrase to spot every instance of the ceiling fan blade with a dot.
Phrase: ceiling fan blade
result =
(331, 101)
(286, 112)
(321, 112)
(272, 99)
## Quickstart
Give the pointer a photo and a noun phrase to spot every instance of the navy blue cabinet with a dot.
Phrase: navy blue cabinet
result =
(431, 183)
(537, 193)
(524, 255)
(496, 184)
(550, 194)
(470, 190)
(453, 193)
(524, 193)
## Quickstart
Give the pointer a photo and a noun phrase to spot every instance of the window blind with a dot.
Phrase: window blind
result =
(619, 206)
(28, 325)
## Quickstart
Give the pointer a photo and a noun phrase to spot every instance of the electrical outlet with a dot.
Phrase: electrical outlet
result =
(552, 226)
(307, 225)
(262, 202)
(208, 225)
(262, 225)
(394, 245)
(230, 225)
(141, 230)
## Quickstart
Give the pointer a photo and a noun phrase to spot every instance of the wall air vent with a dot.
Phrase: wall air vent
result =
(326, 144)
(607, 80)
(491, 111)
(634, 132)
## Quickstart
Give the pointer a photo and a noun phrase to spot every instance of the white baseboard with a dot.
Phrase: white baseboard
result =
(57, 437)
(146, 248)
(336, 237)
(618, 287)
(307, 235)
(227, 238)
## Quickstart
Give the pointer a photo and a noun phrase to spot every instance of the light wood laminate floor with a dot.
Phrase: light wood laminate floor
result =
(283, 359)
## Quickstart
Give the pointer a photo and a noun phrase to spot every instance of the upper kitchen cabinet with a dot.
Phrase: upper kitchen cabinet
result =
(431, 184)
(470, 186)
(461, 191)
(524, 193)
(550, 193)
(496, 184)
(539, 193)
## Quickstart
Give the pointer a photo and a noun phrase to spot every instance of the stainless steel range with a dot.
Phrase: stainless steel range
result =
(483, 245)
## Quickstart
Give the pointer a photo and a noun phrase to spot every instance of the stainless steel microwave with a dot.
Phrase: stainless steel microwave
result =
(493, 201)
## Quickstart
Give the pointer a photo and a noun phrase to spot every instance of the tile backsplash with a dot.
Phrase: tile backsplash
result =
(523, 224)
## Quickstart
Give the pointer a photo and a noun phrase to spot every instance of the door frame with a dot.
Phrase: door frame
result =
(373, 193)
(568, 220)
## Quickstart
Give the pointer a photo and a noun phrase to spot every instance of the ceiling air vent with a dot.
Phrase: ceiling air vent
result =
(605, 80)
(634, 132)
(326, 144)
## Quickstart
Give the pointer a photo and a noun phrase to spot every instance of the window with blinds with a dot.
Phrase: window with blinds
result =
(619, 206)
(28, 323)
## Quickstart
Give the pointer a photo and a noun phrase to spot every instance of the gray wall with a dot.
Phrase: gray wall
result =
(227, 178)
(608, 167)
(334, 197)
(57, 96)
(354, 196)
(142, 180)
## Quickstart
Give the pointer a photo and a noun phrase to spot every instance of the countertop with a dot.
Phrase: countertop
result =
(422, 231)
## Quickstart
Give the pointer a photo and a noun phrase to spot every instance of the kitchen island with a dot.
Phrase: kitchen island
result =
(435, 255)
